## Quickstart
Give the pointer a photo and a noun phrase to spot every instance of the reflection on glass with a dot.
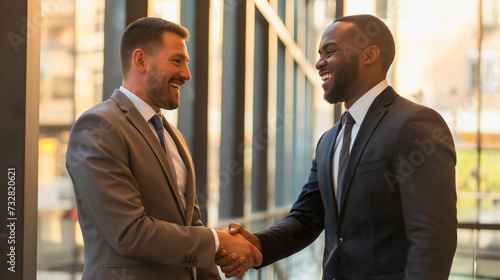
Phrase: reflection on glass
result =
(72, 38)
(214, 110)
(488, 254)
(167, 9)
(462, 264)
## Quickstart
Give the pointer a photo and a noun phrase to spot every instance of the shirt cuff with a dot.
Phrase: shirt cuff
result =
(217, 243)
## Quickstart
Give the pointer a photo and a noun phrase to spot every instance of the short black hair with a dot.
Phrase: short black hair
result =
(146, 34)
(377, 32)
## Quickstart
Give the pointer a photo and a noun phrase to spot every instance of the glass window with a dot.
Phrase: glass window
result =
(444, 60)
(72, 40)
(71, 81)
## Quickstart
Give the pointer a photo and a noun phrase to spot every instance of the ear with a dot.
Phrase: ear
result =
(139, 60)
(371, 54)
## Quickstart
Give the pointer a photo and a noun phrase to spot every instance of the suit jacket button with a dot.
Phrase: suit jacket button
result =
(340, 241)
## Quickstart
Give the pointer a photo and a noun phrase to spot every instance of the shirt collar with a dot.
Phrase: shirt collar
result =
(146, 111)
(359, 109)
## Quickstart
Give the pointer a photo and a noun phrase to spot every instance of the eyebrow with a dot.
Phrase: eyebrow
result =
(180, 55)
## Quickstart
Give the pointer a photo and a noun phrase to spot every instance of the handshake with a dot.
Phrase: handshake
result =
(239, 250)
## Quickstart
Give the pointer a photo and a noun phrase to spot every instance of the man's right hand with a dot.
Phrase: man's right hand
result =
(233, 264)
(239, 251)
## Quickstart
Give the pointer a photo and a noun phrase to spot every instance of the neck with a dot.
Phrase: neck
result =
(140, 92)
(363, 88)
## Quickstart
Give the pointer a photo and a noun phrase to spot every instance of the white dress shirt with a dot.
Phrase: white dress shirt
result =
(179, 168)
(358, 111)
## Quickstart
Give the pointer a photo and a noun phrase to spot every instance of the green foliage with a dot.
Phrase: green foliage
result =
(467, 181)
(489, 173)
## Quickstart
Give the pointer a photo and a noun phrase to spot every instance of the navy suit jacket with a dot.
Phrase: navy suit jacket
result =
(397, 218)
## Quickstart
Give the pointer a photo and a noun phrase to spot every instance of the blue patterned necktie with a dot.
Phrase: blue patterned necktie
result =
(158, 125)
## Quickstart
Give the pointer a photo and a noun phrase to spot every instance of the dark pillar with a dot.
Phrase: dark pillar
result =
(194, 96)
(117, 16)
(19, 88)
(136, 9)
(233, 110)
(260, 114)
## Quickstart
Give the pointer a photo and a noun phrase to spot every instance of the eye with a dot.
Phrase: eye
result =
(330, 52)
(327, 53)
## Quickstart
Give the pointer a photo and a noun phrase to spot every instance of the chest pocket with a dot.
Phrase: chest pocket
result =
(371, 166)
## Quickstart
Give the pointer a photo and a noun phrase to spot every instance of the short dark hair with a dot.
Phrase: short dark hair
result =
(377, 32)
(146, 34)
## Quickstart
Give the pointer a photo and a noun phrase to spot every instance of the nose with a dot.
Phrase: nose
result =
(320, 63)
(185, 74)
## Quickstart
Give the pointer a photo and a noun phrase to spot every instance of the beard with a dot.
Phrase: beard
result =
(159, 90)
(344, 77)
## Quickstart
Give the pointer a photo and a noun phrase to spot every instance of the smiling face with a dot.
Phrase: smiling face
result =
(167, 72)
(338, 63)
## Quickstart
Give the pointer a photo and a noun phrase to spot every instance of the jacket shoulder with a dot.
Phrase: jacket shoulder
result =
(408, 107)
(106, 109)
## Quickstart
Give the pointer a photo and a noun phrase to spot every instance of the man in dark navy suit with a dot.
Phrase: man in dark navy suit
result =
(382, 184)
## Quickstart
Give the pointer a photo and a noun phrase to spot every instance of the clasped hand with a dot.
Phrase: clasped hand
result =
(239, 250)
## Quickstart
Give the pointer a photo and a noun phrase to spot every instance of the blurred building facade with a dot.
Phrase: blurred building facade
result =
(254, 109)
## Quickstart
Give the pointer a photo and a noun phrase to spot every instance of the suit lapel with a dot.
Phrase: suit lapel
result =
(330, 139)
(133, 115)
(374, 115)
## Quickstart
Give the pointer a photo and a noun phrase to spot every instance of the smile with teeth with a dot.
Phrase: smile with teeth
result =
(326, 76)
(175, 85)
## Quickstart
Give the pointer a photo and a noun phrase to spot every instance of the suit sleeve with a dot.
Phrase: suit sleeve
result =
(97, 160)
(213, 272)
(425, 168)
(300, 228)
(208, 274)
(202, 273)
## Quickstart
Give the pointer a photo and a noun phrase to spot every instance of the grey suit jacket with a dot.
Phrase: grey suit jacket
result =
(397, 218)
(128, 202)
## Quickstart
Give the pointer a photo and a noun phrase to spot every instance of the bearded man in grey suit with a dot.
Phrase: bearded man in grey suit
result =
(133, 175)
(382, 184)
